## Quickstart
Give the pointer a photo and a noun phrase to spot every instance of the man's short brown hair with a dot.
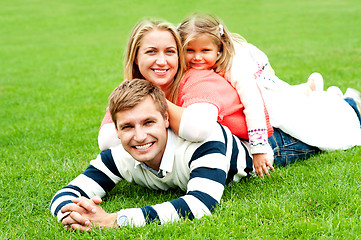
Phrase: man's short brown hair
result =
(131, 92)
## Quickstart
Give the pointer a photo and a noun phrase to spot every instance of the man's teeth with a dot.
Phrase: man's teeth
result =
(160, 71)
(143, 146)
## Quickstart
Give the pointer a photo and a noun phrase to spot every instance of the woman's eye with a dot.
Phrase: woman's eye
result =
(190, 50)
(150, 52)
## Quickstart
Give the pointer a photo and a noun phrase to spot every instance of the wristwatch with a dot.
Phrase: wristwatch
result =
(122, 220)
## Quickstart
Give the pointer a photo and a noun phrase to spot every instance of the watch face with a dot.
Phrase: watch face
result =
(122, 221)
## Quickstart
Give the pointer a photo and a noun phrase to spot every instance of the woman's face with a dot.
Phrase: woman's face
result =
(157, 58)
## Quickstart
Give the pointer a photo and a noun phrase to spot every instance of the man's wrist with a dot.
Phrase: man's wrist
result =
(121, 219)
(113, 220)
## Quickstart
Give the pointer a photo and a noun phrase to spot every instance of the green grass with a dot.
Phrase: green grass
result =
(59, 61)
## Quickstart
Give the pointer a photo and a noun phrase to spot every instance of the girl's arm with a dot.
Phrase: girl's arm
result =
(193, 123)
(242, 78)
(175, 115)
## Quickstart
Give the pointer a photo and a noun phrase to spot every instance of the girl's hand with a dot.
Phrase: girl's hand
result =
(260, 163)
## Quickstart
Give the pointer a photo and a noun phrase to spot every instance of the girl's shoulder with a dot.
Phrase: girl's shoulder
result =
(203, 80)
(201, 77)
(197, 73)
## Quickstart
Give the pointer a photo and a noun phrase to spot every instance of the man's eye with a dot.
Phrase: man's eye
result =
(126, 128)
(149, 122)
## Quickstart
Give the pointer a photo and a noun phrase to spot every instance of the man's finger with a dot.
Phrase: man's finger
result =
(97, 200)
(69, 208)
(78, 227)
(85, 203)
(76, 218)
(67, 221)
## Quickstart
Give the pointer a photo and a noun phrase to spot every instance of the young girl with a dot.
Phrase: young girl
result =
(208, 45)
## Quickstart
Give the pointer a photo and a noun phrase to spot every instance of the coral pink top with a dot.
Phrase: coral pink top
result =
(206, 86)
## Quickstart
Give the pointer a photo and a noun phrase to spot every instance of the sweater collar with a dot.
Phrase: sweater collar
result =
(167, 161)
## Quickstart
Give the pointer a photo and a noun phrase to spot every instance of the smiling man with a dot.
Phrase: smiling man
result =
(152, 156)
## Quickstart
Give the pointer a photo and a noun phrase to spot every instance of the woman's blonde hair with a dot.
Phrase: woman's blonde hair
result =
(131, 69)
(196, 24)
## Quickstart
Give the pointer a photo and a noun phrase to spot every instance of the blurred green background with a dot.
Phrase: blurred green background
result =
(59, 61)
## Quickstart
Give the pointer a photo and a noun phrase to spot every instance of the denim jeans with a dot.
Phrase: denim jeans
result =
(352, 103)
(288, 149)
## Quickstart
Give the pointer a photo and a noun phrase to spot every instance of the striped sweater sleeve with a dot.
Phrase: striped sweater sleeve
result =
(98, 179)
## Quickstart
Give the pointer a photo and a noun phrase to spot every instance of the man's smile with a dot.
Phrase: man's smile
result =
(143, 147)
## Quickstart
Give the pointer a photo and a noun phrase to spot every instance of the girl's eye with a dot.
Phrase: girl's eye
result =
(171, 52)
(150, 52)
(190, 50)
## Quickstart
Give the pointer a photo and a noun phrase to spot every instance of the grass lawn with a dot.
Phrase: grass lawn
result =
(59, 61)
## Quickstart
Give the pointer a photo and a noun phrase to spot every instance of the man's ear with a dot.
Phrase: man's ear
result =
(116, 129)
(118, 134)
(166, 119)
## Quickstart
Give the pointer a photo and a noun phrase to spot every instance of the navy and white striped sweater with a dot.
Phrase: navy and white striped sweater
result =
(201, 169)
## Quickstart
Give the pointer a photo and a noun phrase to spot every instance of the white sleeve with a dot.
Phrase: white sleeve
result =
(242, 78)
(197, 121)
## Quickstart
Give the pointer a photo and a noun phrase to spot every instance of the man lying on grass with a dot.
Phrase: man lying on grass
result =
(152, 156)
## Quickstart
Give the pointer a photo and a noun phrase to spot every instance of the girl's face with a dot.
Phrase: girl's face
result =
(201, 53)
(157, 58)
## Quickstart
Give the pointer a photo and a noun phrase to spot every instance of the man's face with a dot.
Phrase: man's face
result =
(142, 131)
